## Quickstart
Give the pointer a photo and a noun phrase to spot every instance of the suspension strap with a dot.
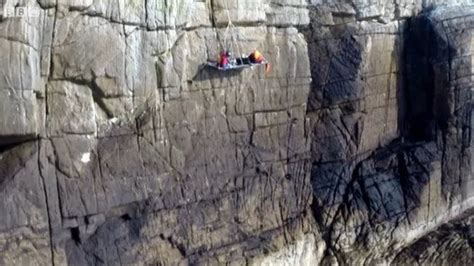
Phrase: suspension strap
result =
(231, 27)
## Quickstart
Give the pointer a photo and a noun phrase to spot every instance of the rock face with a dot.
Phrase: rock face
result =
(125, 149)
(118, 146)
(391, 109)
(450, 243)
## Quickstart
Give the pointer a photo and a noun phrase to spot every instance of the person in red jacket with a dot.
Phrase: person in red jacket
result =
(224, 59)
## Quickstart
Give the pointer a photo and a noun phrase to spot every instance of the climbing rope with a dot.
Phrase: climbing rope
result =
(231, 27)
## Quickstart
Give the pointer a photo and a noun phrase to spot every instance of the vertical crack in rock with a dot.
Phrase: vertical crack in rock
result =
(44, 184)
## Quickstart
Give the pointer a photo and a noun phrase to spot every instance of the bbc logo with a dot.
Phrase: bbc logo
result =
(20, 11)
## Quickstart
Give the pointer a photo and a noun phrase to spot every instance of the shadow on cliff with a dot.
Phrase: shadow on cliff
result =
(355, 191)
(206, 73)
(176, 206)
(13, 158)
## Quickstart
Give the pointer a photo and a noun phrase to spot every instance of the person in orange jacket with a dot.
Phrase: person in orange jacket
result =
(256, 57)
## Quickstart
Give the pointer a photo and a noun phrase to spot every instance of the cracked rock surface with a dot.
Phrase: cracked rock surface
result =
(391, 114)
(118, 146)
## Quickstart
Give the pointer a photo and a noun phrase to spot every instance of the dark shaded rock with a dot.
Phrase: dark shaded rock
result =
(394, 155)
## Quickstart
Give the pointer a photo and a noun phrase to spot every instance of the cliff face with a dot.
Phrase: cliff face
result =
(391, 109)
(118, 146)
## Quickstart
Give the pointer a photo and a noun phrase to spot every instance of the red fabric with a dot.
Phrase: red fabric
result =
(223, 60)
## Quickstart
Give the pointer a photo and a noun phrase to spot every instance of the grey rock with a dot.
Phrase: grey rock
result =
(70, 110)
(452, 242)
(118, 145)
(388, 132)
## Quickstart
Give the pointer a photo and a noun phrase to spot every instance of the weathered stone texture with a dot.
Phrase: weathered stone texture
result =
(451, 242)
(119, 146)
(145, 156)
(391, 109)
(24, 230)
(20, 42)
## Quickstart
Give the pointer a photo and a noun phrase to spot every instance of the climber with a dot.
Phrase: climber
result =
(224, 59)
(256, 57)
